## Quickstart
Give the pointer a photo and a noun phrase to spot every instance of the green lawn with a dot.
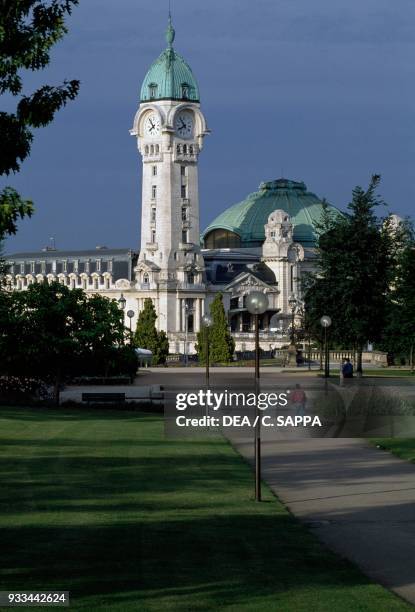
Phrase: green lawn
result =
(401, 447)
(100, 504)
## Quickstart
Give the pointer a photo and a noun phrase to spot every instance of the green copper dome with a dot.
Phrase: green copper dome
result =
(170, 76)
(247, 219)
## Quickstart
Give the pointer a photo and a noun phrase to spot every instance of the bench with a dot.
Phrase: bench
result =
(99, 398)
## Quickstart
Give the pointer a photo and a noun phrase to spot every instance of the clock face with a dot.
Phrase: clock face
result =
(152, 125)
(183, 124)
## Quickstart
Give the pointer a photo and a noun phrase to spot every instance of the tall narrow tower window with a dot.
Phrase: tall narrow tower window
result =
(154, 170)
(154, 192)
(184, 236)
(153, 236)
(184, 191)
(183, 170)
(153, 214)
(152, 90)
(184, 213)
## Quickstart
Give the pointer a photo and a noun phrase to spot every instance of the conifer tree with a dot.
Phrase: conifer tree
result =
(222, 345)
(354, 273)
(148, 337)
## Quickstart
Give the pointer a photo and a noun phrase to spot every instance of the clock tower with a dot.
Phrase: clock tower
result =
(170, 128)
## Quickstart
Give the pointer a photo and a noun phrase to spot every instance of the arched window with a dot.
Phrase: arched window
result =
(152, 150)
(185, 91)
(190, 278)
(184, 149)
(222, 239)
(152, 90)
(157, 149)
(146, 149)
(179, 149)
(191, 149)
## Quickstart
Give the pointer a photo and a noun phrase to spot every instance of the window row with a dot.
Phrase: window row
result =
(64, 266)
(185, 149)
(84, 282)
(153, 91)
(152, 149)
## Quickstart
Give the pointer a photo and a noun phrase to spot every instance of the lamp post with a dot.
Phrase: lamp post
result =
(257, 304)
(292, 350)
(130, 315)
(207, 322)
(122, 302)
(325, 323)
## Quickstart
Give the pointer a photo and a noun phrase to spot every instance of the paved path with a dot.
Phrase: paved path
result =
(359, 500)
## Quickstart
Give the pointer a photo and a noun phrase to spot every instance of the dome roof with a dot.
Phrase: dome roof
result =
(170, 76)
(248, 218)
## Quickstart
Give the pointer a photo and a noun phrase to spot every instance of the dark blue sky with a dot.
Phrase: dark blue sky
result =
(319, 91)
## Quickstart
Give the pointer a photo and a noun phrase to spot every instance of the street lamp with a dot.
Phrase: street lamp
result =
(207, 322)
(122, 302)
(292, 350)
(257, 303)
(325, 323)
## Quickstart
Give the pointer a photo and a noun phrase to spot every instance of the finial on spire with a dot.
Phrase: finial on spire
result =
(170, 33)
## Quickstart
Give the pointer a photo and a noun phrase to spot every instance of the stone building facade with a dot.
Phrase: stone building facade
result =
(264, 243)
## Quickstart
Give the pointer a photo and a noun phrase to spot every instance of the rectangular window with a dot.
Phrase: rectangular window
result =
(154, 192)
(76, 265)
(22, 268)
(184, 191)
(64, 266)
(183, 170)
(184, 236)
(154, 170)
(87, 267)
(153, 236)
(153, 214)
(54, 266)
(32, 267)
(43, 267)
(184, 213)
(98, 262)
(110, 265)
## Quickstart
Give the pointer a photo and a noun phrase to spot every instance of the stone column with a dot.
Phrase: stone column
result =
(197, 315)
(178, 313)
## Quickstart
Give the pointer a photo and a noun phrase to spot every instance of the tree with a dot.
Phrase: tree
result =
(28, 31)
(356, 259)
(148, 337)
(399, 333)
(51, 332)
(221, 343)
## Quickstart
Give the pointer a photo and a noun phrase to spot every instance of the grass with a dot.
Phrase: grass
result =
(100, 504)
(401, 447)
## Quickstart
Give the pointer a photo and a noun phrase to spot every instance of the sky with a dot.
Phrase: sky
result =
(321, 92)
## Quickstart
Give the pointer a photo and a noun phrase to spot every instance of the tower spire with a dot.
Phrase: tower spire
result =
(170, 33)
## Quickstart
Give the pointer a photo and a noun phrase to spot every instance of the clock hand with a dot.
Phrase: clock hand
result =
(183, 123)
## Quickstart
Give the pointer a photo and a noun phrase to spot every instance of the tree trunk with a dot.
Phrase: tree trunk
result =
(321, 356)
(57, 389)
(359, 369)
